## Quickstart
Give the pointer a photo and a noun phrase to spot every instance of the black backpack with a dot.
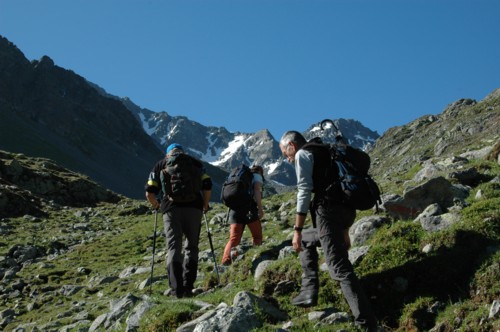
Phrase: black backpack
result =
(236, 191)
(358, 189)
(352, 185)
(181, 178)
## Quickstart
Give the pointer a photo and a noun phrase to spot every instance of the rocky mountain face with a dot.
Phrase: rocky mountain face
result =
(35, 185)
(224, 149)
(50, 112)
(464, 126)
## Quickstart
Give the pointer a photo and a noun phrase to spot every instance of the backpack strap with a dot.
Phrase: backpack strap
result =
(325, 170)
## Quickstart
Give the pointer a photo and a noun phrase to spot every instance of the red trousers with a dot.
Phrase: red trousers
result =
(235, 234)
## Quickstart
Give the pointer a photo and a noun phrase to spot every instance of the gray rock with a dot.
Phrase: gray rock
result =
(190, 326)
(25, 253)
(437, 223)
(285, 252)
(319, 315)
(494, 309)
(68, 290)
(437, 190)
(428, 171)
(97, 280)
(137, 313)
(477, 154)
(427, 248)
(119, 308)
(127, 272)
(242, 316)
(77, 326)
(357, 254)
(364, 228)
(231, 319)
(431, 210)
(336, 317)
(249, 301)
(98, 322)
(261, 267)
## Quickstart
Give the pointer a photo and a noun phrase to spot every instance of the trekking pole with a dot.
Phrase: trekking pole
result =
(212, 248)
(153, 259)
(227, 217)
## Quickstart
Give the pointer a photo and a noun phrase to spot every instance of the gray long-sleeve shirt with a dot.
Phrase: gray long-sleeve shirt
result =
(304, 162)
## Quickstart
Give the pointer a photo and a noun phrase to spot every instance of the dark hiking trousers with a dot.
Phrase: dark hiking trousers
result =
(182, 268)
(330, 223)
(309, 260)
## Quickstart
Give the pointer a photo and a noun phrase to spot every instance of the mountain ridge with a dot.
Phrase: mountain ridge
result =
(48, 111)
(65, 119)
(77, 123)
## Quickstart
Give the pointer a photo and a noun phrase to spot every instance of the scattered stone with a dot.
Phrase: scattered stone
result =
(261, 268)
(427, 248)
(357, 254)
(319, 315)
(494, 309)
(365, 227)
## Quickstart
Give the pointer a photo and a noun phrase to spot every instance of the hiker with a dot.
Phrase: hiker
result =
(331, 220)
(181, 217)
(250, 217)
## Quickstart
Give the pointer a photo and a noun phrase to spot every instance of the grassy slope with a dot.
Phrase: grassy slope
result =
(461, 272)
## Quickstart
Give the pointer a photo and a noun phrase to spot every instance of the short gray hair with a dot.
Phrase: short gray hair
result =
(292, 136)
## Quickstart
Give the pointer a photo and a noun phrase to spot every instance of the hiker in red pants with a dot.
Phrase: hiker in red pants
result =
(250, 217)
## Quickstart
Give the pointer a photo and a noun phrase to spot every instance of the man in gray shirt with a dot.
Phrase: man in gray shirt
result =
(332, 219)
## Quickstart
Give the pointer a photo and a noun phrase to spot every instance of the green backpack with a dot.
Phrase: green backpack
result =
(181, 178)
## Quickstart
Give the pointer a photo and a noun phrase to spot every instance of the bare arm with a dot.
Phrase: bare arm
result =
(206, 200)
(152, 199)
(257, 196)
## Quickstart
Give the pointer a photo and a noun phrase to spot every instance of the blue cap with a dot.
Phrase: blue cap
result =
(174, 146)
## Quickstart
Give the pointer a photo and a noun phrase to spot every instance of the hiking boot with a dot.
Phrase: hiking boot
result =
(188, 293)
(173, 293)
(306, 298)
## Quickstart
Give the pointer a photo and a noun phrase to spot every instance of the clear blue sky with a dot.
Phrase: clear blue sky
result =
(276, 64)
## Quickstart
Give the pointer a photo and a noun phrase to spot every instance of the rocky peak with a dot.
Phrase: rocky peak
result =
(454, 108)
(494, 95)
(45, 63)
(463, 126)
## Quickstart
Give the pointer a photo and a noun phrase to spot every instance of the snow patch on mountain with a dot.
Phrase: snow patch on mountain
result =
(315, 129)
(213, 153)
(273, 166)
(233, 146)
(364, 138)
(146, 125)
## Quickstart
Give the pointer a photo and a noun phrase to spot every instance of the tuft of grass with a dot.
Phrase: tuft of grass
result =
(417, 315)
(466, 316)
(168, 314)
(392, 246)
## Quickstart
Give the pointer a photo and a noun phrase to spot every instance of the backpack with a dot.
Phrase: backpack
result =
(358, 189)
(181, 178)
(351, 184)
(236, 191)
